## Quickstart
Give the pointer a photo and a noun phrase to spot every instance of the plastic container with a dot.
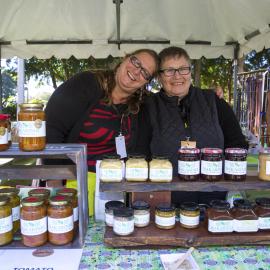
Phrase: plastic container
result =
(160, 169)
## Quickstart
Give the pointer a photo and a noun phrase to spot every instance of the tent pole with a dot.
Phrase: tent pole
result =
(117, 5)
(20, 82)
(235, 71)
(1, 84)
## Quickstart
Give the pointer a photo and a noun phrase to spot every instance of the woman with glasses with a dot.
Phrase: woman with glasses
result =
(181, 111)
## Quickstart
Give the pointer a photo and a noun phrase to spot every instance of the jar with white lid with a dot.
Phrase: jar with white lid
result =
(110, 169)
(160, 169)
(136, 168)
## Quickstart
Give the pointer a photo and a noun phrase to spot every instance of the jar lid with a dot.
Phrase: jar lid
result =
(140, 205)
(31, 105)
(242, 204)
(220, 204)
(111, 205)
(189, 150)
(189, 206)
(39, 192)
(67, 191)
(238, 151)
(59, 200)
(265, 151)
(211, 151)
(112, 156)
(9, 191)
(165, 207)
(3, 200)
(264, 201)
(123, 212)
(3, 117)
(136, 156)
(160, 157)
(32, 201)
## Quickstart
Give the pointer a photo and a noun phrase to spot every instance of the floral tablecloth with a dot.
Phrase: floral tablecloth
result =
(97, 256)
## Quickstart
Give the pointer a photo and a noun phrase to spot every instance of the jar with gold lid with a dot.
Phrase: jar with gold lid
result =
(60, 220)
(110, 169)
(6, 234)
(165, 216)
(136, 168)
(4, 127)
(40, 193)
(160, 169)
(32, 127)
(189, 215)
(264, 164)
(12, 193)
(33, 222)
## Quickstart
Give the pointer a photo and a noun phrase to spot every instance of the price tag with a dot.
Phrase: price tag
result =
(121, 146)
(188, 144)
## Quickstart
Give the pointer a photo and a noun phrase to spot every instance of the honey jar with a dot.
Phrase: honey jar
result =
(189, 215)
(6, 234)
(110, 169)
(32, 127)
(264, 164)
(4, 127)
(160, 169)
(136, 168)
(165, 216)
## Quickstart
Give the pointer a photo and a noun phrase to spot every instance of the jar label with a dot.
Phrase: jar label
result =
(211, 167)
(264, 223)
(109, 219)
(136, 173)
(111, 174)
(188, 167)
(235, 167)
(6, 224)
(160, 174)
(16, 213)
(164, 221)
(60, 225)
(122, 226)
(216, 226)
(245, 225)
(141, 219)
(267, 167)
(32, 128)
(34, 227)
(3, 135)
(75, 214)
(189, 221)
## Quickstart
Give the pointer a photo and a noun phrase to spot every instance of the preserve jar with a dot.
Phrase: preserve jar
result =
(136, 168)
(12, 193)
(110, 169)
(33, 222)
(235, 167)
(245, 219)
(262, 210)
(123, 221)
(189, 215)
(60, 220)
(189, 163)
(211, 164)
(6, 234)
(109, 208)
(42, 193)
(141, 213)
(220, 219)
(165, 216)
(32, 127)
(4, 126)
(264, 164)
(160, 169)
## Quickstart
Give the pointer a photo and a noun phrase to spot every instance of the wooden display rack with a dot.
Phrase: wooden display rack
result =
(78, 171)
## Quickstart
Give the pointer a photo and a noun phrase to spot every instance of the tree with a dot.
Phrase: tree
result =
(257, 60)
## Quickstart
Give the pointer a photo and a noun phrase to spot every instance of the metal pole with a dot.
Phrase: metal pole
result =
(1, 84)
(20, 82)
(117, 5)
(235, 70)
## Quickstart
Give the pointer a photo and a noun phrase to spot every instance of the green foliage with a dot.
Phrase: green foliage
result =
(257, 60)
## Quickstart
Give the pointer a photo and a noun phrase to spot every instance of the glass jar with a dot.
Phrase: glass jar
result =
(189, 215)
(12, 193)
(262, 210)
(160, 169)
(33, 222)
(220, 219)
(245, 220)
(110, 169)
(109, 208)
(189, 163)
(235, 168)
(264, 164)
(9, 129)
(42, 193)
(123, 221)
(136, 169)
(60, 220)
(32, 127)
(4, 144)
(6, 234)
(165, 216)
(211, 164)
(141, 213)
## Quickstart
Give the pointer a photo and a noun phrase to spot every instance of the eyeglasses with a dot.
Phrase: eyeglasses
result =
(137, 63)
(169, 72)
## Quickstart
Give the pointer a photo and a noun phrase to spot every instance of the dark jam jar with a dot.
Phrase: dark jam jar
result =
(235, 168)
(263, 212)
(211, 164)
(189, 163)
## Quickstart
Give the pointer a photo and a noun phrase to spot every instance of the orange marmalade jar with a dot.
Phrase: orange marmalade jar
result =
(4, 127)
(32, 127)
(42, 193)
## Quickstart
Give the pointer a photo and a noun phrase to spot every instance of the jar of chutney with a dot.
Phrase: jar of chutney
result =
(6, 234)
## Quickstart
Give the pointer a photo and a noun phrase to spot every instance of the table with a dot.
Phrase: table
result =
(97, 256)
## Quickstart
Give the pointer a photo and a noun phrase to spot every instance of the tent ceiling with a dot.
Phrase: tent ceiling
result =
(82, 28)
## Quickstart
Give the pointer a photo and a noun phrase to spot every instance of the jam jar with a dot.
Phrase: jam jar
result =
(189, 163)
(189, 215)
(245, 219)
(123, 221)
(110, 169)
(165, 216)
(160, 169)
(264, 164)
(60, 220)
(12, 193)
(4, 127)
(211, 164)
(41, 193)
(136, 168)
(32, 127)
(109, 208)
(262, 210)
(141, 213)
(220, 219)
(33, 222)
(6, 234)
(235, 167)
